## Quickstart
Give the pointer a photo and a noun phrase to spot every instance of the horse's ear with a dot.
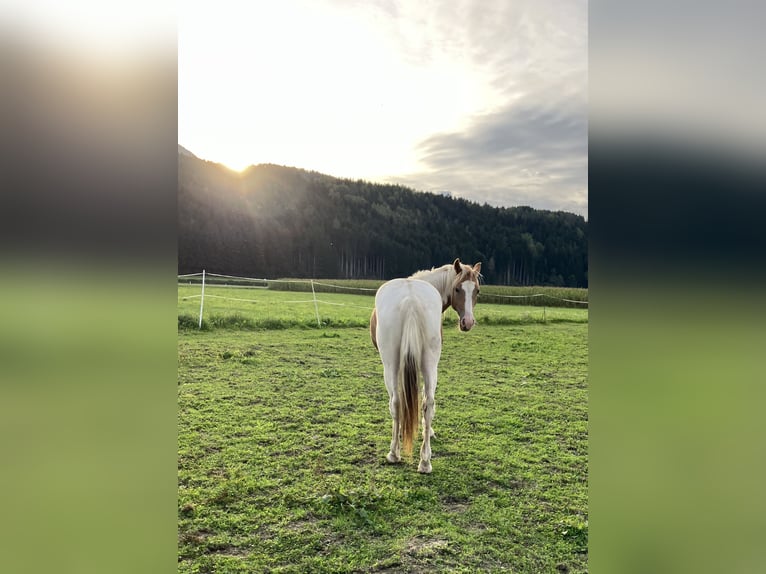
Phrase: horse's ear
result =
(477, 267)
(458, 268)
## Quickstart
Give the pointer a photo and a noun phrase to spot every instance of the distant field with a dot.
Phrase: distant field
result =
(260, 308)
(501, 294)
(282, 436)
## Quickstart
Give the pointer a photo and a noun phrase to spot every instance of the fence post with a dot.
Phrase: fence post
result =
(316, 307)
(202, 299)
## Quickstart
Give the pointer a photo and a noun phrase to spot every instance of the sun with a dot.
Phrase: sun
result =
(237, 166)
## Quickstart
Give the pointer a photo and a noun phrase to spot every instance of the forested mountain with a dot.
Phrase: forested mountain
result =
(273, 221)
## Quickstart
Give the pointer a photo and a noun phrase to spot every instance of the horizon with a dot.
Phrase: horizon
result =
(445, 192)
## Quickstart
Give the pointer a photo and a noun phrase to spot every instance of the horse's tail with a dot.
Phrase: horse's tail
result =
(407, 386)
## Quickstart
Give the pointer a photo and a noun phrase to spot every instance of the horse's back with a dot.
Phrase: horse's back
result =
(392, 293)
(399, 298)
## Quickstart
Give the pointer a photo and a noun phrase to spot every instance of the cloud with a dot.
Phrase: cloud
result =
(517, 155)
(529, 146)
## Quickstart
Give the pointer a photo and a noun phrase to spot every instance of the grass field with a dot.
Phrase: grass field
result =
(535, 296)
(256, 308)
(283, 434)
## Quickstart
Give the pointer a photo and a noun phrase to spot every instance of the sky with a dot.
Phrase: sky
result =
(484, 100)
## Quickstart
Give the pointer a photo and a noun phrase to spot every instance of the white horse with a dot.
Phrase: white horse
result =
(406, 328)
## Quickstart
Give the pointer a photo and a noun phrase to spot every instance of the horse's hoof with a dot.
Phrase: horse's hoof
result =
(392, 458)
(424, 467)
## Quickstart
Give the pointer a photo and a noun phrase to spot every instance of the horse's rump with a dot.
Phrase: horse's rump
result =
(406, 326)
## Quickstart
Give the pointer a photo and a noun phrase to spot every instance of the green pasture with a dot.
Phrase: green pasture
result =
(282, 437)
(534, 296)
(260, 308)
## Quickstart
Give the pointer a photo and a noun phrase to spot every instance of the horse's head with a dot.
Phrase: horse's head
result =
(465, 290)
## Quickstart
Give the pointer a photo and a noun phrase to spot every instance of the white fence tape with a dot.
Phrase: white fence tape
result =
(315, 300)
(534, 295)
(255, 279)
(346, 287)
(264, 280)
(209, 296)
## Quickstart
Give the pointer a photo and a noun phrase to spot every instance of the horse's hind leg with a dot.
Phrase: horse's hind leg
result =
(394, 454)
(431, 433)
(429, 390)
(429, 362)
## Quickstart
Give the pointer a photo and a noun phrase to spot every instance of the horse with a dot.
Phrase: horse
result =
(406, 329)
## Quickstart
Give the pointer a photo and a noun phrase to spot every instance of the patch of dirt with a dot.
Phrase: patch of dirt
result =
(455, 504)
(198, 537)
(264, 533)
(457, 507)
(419, 546)
(301, 525)
(227, 550)
(391, 565)
(478, 527)
(509, 485)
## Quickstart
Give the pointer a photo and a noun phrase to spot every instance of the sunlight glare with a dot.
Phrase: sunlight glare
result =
(311, 85)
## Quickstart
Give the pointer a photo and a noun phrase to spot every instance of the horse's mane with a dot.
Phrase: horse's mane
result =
(422, 272)
(444, 277)
(467, 272)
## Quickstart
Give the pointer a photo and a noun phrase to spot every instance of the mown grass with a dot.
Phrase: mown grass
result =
(263, 309)
(283, 433)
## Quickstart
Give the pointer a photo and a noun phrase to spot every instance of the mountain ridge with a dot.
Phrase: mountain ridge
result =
(271, 220)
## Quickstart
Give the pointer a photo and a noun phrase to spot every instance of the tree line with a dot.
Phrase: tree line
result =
(275, 221)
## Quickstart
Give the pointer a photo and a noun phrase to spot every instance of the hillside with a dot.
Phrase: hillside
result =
(274, 221)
